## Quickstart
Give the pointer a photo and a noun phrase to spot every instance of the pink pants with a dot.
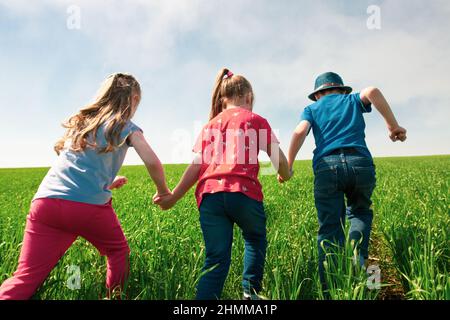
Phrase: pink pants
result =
(52, 226)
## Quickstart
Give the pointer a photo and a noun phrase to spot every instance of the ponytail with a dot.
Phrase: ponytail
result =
(217, 96)
(228, 86)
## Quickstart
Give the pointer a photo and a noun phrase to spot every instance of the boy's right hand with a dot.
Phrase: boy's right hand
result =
(397, 133)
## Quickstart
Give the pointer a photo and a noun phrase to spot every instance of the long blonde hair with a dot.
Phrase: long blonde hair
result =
(228, 86)
(113, 104)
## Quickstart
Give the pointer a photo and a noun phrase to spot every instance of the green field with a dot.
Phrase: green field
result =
(410, 240)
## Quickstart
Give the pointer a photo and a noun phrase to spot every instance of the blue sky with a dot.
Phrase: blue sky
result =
(175, 49)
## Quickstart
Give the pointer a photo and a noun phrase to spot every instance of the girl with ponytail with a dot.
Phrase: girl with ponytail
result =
(228, 190)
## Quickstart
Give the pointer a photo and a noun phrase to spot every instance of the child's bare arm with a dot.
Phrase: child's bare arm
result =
(151, 161)
(284, 171)
(189, 178)
(279, 161)
(298, 137)
(374, 96)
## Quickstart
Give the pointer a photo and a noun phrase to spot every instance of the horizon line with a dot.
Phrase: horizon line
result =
(296, 160)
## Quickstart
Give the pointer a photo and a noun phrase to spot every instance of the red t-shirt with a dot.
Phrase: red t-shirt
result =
(229, 145)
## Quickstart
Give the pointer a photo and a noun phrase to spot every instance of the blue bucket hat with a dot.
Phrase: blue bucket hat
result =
(329, 80)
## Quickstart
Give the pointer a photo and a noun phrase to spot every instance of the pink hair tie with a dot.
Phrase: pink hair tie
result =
(228, 75)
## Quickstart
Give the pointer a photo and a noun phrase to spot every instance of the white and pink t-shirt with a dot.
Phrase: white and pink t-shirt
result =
(229, 145)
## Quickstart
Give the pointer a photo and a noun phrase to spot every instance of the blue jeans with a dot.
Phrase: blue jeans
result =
(218, 213)
(337, 177)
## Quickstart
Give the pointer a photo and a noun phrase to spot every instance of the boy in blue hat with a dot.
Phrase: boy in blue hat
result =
(342, 164)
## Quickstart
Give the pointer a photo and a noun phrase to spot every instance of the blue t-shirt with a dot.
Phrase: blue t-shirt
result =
(86, 175)
(337, 122)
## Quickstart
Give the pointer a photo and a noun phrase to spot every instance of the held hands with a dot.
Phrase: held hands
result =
(165, 201)
(281, 180)
(118, 182)
(397, 134)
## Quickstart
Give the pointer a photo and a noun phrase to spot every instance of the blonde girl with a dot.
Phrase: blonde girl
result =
(74, 199)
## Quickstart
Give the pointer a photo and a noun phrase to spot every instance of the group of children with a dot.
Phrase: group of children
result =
(74, 199)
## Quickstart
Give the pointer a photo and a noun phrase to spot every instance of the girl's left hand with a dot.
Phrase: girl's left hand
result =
(119, 182)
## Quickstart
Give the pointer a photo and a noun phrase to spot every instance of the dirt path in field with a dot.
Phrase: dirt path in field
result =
(380, 255)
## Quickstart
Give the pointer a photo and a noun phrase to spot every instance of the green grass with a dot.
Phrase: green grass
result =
(410, 239)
